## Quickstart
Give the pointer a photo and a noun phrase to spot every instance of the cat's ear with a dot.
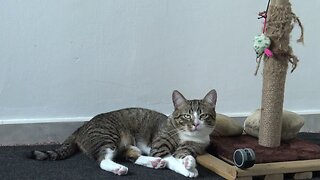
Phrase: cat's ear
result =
(211, 98)
(178, 99)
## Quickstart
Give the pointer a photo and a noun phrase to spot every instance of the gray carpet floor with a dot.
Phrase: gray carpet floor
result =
(14, 164)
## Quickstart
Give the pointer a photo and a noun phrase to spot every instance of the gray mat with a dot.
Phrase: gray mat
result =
(14, 164)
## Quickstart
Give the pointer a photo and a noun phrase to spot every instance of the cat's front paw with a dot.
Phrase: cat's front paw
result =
(158, 163)
(189, 162)
(193, 173)
(161, 164)
(121, 170)
(190, 172)
(151, 162)
(179, 166)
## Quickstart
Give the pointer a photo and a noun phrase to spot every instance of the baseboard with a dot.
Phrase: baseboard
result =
(44, 120)
(300, 112)
(55, 130)
(239, 115)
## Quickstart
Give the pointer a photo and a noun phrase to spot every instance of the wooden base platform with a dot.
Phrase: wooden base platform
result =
(302, 169)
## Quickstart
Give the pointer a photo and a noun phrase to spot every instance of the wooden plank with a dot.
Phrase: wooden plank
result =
(218, 166)
(304, 175)
(281, 168)
(244, 178)
(228, 171)
(274, 177)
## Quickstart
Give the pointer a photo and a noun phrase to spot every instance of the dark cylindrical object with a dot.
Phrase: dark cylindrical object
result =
(244, 158)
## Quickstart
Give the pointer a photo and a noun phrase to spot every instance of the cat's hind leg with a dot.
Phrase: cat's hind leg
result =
(109, 165)
(134, 154)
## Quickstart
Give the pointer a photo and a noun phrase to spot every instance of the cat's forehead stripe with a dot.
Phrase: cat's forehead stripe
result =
(195, 106)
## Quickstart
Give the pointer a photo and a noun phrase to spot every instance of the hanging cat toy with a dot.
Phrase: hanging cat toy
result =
(262, 42)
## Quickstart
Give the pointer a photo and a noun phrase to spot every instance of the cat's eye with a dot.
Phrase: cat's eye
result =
(204, 116)
(187, 116)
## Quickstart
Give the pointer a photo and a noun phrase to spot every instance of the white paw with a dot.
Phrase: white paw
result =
(189, 162)
(110, 166)
(190, 172)
(185, 166)
(121, 170)
(151, 162)
(161, 164)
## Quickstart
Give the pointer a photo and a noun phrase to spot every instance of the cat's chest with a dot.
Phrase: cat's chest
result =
(198, 138)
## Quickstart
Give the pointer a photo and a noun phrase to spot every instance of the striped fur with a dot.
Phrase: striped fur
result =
(123, 132)
(117, 130)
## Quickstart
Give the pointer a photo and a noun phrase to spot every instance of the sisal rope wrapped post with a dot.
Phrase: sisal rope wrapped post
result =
(280, 22)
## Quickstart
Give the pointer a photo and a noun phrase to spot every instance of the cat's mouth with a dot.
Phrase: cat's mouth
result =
(195, 127)
(199, 128)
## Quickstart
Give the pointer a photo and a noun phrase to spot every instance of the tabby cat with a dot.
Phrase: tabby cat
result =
(145, 137)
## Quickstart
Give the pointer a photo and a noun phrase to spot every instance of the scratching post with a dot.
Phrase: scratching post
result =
(271, 47)
(279, 26)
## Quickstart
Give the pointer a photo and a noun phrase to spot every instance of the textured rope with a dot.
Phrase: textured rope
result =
(280, 23)
(277, 27)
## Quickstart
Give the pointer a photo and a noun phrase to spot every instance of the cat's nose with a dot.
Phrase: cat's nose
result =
(196, 125)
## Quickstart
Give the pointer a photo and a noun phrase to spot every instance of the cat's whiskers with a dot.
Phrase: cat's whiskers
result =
(210, 126)
(177, 132)
(177, 129)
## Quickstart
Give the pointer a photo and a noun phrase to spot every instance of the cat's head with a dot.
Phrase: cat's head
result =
(193, 116)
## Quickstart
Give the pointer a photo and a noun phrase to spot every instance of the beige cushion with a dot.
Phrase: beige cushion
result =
(226, 126)
(291, 124)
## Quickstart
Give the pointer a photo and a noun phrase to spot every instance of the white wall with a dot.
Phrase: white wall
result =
(71, 59)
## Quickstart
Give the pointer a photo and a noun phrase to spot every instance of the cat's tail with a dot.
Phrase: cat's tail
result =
(67, 149)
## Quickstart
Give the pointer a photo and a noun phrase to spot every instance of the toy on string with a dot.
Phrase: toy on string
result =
(262, 42)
